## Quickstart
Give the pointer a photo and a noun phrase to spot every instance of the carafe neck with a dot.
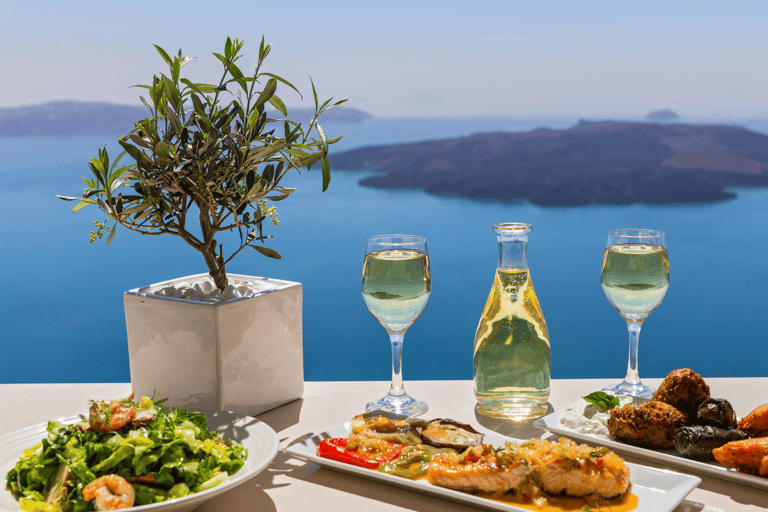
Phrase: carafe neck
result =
(513, 244)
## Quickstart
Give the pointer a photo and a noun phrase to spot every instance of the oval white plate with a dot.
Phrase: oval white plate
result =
(657, 490)
(670, 457)
(257, 437)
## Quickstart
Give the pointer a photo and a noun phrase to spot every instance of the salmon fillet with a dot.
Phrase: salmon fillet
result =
(563, 467)
(572, 469)
(478, 469)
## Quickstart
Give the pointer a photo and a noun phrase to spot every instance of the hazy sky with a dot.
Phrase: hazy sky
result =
(415, 58)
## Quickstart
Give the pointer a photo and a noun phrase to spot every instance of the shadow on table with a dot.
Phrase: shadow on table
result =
(284, 416)
(247, 497)
(399, 497)
(509, 428)
(689, 506)
(741, 494)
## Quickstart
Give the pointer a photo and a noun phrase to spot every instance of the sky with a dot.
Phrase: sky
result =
(409, 59)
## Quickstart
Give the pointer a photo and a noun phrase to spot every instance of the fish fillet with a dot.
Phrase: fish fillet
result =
(491, 473)
(563, 467)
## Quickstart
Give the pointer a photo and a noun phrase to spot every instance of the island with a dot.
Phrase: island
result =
(92, 118)
(662, 115)
(593, 162)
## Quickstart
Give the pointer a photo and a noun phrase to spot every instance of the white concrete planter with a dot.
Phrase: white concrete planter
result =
(244, 355)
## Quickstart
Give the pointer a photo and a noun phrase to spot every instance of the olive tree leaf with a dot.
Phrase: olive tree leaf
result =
(314, 92)
(82, 204)
(326, 172)
(221, 58)
(323, 138)
(164, 55)
(198, 88)
(104, 206)
(286, 82)
(266, 251)
(276, 102)
(267, 93)
(284, 193)
(112, 234)
(171, 115)
(334, 105)
(134, 152)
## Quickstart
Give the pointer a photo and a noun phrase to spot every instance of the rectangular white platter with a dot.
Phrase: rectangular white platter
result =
(657, 490)
(667, 457)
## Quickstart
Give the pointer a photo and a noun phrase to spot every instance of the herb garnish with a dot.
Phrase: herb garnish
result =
(602, 400)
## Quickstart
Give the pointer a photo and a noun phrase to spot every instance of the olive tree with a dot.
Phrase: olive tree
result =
(206, 160)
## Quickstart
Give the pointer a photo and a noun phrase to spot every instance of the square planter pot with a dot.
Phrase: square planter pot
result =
(244, 355)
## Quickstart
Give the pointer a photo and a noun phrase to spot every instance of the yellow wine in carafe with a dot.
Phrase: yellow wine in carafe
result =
(511, 354)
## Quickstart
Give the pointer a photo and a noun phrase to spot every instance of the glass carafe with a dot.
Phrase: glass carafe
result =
(511, 362)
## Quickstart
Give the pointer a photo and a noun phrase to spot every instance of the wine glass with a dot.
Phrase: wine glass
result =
(635, 278)
(396, 287)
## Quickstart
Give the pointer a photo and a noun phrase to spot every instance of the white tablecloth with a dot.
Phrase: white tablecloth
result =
(291, 484)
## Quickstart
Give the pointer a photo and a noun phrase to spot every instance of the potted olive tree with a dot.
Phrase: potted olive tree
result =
(208, 160)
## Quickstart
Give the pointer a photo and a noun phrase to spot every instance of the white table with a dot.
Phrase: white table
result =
(291, 484)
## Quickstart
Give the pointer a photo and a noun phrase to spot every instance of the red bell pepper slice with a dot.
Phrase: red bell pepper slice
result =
(336, 449)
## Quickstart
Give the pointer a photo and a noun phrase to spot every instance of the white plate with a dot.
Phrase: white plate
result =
(669, 457)
(657, 490)
(257, 437)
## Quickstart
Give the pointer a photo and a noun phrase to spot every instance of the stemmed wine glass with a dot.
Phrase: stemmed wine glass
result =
(635, 278)
(396, 287)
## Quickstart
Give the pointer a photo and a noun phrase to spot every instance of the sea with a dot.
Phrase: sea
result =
(62, 297)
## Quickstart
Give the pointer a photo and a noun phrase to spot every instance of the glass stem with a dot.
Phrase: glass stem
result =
(633, 377)
(396, 388)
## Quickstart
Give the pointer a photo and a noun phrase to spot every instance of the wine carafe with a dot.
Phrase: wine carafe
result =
(511, 362)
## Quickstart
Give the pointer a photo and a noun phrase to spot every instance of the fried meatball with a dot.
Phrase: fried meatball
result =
(683, 389)
(650, 424)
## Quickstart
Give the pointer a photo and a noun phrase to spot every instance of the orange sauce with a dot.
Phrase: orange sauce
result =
(628, 501)
(624, 503)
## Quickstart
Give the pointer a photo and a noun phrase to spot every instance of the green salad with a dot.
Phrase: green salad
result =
(126, 454)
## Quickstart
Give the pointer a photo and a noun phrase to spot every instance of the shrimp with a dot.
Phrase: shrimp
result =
(110, 492)
(747, 456)
(111, 415)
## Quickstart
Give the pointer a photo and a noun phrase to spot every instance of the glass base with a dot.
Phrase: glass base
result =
(638, 390)
(403, 404)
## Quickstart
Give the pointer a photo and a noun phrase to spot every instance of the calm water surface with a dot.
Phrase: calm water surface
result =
(62, 307)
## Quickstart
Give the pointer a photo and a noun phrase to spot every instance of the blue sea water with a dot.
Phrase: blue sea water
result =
(62, 311)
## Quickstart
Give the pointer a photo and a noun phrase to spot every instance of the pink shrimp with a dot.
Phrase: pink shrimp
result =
(111, 415)
(110, 492)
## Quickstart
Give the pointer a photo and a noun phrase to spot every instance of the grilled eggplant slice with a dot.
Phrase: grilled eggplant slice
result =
(392, 428)
(444, 433)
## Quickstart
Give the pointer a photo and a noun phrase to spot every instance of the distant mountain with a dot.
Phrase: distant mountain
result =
(69, 118)
(590, 163)
(85, 118)
(662, 115)
(335, 115)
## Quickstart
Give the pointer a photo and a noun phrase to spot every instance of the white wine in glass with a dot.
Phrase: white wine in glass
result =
(635, 279)
(396, 286)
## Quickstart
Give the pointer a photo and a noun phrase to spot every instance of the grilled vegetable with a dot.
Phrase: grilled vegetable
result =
(697, 442)
(366, 453)
(413, 461)
(443, 433)
(392, 428)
